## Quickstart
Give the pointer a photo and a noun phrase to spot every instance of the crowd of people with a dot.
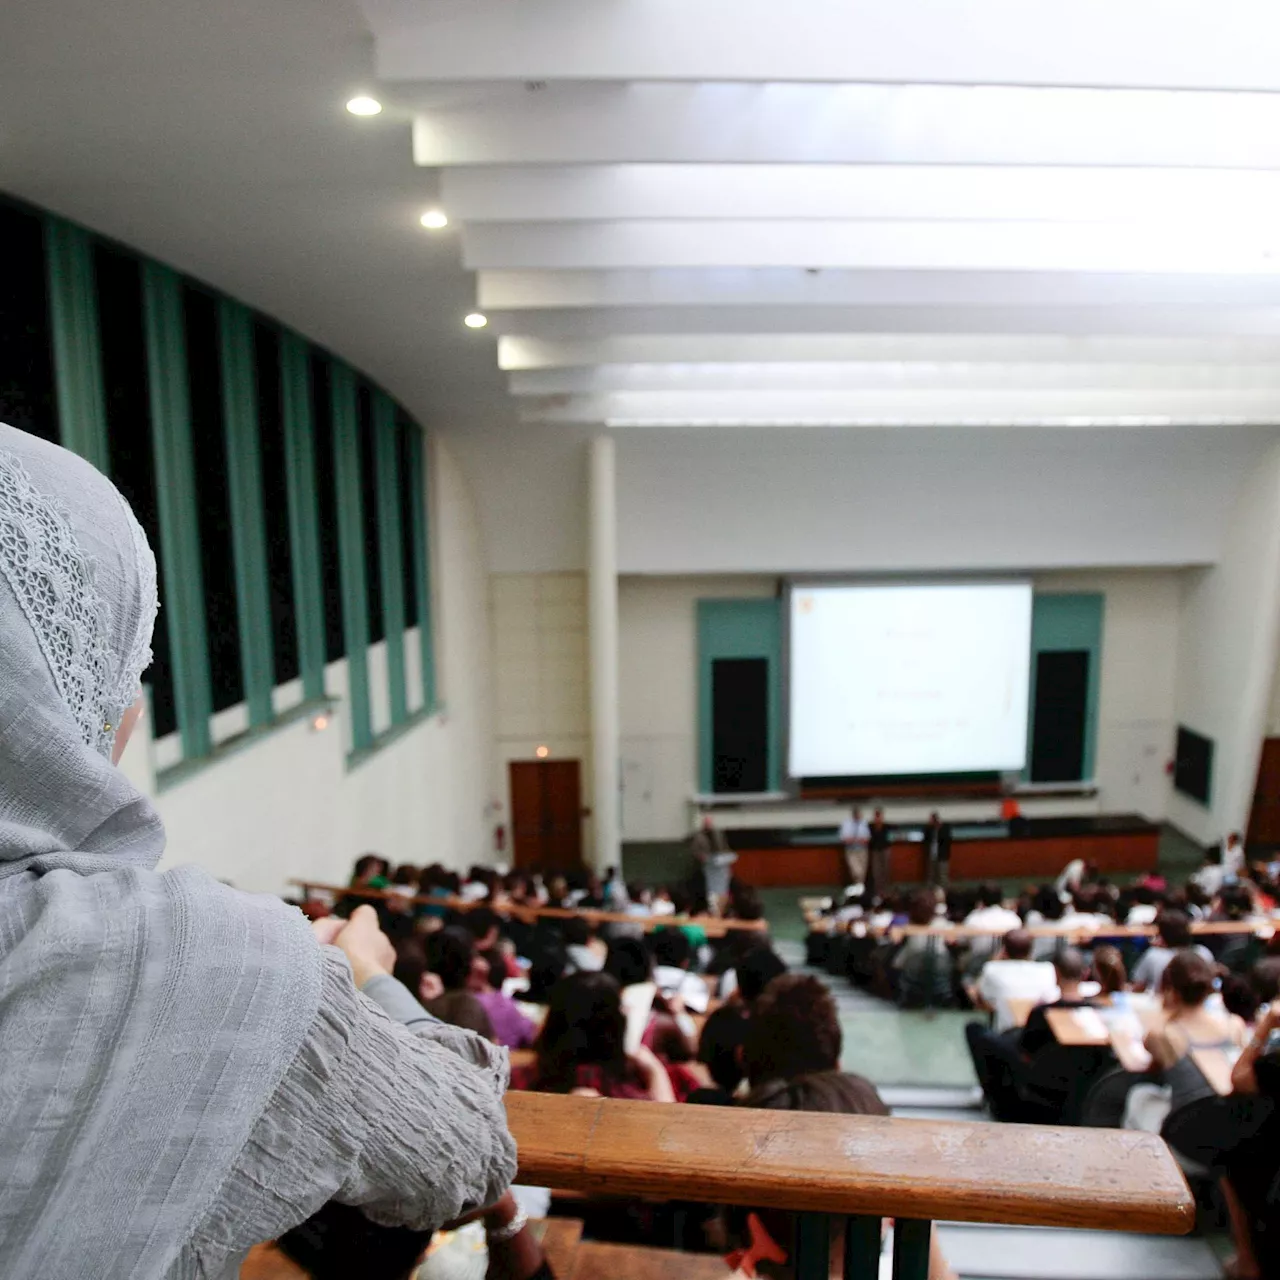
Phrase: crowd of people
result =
(1186, 1041)
(621, 1009)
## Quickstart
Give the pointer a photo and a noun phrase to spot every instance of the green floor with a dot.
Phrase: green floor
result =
(887, 1046)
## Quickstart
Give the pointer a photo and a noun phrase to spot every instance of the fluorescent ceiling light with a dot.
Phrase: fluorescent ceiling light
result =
(475, 320)
(434, 219)
(362, 105)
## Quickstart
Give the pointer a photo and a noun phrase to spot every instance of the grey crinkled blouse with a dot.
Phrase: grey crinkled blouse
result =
(405, 1122)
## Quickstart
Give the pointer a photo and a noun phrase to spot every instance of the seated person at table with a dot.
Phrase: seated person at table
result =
(510, 1026)
(1190, 1024)
(582, 1047)
(792, 1059)
(991, 915)
(673, 956)
(1109, 972)
(720, 1051)
(585, 950)
(1013, 975)
(1070, 969)
(1174, 929)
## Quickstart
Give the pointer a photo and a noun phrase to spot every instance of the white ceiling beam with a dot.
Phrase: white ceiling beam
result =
(500, 290)
(1159, 43)
(1011, 246)
(584, 193)
(839, 124)
(518, 353)
(894, 375)
(923, 407)
(592, 322)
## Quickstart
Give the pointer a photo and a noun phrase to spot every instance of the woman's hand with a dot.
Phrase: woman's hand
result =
(361, 940)
(653, 1074)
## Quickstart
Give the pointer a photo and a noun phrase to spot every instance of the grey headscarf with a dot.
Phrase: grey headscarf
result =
(145, 1019)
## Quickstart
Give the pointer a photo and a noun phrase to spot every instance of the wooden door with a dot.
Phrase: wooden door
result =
(1264, 821)
(546, 814)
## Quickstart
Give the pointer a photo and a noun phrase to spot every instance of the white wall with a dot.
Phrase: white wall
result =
(658, 656)
(539, 629)
(1227, 651)
(726, 500)
(289, 806)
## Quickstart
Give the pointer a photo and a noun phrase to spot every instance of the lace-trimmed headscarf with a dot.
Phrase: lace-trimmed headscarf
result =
(145, 1018)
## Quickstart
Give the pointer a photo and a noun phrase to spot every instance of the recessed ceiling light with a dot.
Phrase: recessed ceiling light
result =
(363, 105)
(434, 219)
(476, 321)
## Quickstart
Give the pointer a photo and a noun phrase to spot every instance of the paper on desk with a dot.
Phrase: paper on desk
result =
(637, 1004)
(1090, 1024)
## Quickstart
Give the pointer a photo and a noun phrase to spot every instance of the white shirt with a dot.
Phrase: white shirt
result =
(1232, 859)
(852, 832)
(993, 920)
(1143, 913)
(1005, 980)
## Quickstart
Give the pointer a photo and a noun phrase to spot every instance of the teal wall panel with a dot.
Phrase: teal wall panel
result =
(1069, 622)
(739, 629)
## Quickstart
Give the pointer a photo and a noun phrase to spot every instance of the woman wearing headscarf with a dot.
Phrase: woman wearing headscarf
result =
(184, 1070)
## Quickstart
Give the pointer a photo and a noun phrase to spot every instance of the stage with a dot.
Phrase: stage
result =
(771, 857)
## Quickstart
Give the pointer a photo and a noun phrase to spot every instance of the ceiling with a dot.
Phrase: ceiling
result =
(694, 213)
(740, 213)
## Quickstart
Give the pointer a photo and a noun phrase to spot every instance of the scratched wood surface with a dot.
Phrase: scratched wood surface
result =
(1032, 1175)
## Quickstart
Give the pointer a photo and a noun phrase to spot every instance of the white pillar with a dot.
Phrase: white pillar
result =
(602, 621)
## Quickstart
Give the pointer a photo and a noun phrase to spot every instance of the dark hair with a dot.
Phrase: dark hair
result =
(338, 1241)
(497, 966)
(1174, 928)
(755, 970)
(1239, 997)
(922, 907)
(1070, 965)
(744, 901)
(411, 964)
(833, 1092)
(449, 954)
(1236, 901)
(1109, 970)
(480, 922)
(722, 1036)
(990, 894)
(1047, 902)
(628, 962)
(1017, 944)
(672, 947)
(584, 1026)
(1266, 979)
(794, 1030)
(462, 1009)
(576, 931)
(1189, 976)
(369, 862)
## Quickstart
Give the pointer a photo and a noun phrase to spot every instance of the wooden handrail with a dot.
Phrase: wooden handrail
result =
(1033, 1175)
(713, 926)
(960, 932)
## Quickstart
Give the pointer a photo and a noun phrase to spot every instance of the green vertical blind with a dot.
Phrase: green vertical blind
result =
(374, 453)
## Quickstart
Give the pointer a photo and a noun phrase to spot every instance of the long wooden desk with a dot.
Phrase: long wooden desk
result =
(713, 926)
(769, 858)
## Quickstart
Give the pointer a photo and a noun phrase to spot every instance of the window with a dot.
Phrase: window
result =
(369, 501)
(322, 411)
(275, 497)
(26, 362)
(132, 467)
(406, 465)
(208, 440)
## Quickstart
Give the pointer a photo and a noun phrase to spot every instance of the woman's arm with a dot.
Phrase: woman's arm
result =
(1243, 1077)
(653, 1074)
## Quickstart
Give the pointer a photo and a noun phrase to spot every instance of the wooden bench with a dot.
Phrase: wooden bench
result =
(712, 926)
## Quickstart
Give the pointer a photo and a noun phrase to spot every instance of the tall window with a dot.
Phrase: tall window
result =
(26, 368)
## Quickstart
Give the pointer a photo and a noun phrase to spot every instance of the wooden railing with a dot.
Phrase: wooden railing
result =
(712, 926)
(960, 933)
(859, 1168)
